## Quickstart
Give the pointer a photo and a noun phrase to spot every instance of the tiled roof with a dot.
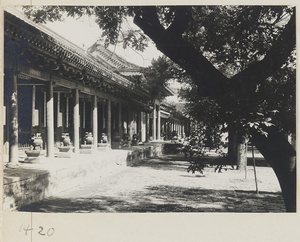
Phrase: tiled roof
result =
(49, 41)
(110, 58)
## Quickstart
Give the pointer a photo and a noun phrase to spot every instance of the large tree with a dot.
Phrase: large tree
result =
(275, 104)
(206, 42)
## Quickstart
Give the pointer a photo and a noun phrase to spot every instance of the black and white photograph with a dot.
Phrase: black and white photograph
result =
(147, 111)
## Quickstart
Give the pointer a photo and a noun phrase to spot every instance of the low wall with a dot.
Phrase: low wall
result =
(30, 183)
(140, 153)
(172, 148)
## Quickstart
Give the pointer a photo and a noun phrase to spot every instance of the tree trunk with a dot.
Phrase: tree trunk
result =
(282, 157)
(237, 153)
(232, 146)
(276, 150)
(242, 156)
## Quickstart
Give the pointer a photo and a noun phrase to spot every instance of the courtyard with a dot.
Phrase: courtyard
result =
(164, 185)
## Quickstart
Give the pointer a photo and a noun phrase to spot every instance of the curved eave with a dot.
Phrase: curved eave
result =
(112, 60)
(49, 42)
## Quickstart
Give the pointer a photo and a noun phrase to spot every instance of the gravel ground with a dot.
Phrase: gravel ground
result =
(164, 185)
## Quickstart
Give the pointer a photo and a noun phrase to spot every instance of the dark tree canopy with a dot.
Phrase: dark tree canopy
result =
(211, 43)
(157, 76)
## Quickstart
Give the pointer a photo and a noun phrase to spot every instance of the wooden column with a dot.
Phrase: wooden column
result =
(104, 114)
(154, 123)
(129, 123)
(120, 120)
(83, 114)
(67, 112)
(138, 125)
(45, 109)
(59, 118)
(13, 122)
(40, 114)
(95, 121)
(33, 108)
(158, 123)
(114, 115)
(109, 120)
(147, 127)
(58, 109)
(142, 127)
(50, 119)
(76, 120)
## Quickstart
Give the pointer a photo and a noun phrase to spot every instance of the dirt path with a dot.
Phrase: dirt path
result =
(163, 185)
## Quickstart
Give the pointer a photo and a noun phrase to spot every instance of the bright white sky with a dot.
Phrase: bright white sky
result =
(84, 32)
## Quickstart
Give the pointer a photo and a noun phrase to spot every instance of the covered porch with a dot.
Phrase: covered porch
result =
(54, 89)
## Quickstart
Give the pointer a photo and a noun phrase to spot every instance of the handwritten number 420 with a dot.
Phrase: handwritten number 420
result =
(41, 231)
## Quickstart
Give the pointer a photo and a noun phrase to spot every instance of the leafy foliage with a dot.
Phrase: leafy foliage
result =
(157, 76)
(135, 39)
(232, 37)
(277, 97)
(109, 20)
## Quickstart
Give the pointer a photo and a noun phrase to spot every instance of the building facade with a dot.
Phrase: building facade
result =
(53, 88)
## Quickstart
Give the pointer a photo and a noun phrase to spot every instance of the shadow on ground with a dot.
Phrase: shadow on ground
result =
(167, 199)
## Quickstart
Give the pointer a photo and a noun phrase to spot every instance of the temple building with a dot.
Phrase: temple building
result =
(53, 88)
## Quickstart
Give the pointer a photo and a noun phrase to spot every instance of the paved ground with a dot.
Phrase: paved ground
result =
(163, 185)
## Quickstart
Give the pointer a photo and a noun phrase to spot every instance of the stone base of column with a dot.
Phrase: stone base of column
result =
(86, 149)
(65, 152)
(103, 146)
(116, 145)
(32, 160)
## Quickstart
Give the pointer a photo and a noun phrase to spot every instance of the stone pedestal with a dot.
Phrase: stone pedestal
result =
(33, 156)
(103, 146)
(64, 152)
(86, 149)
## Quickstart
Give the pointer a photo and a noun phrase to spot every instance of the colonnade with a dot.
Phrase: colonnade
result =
(78, 120)
(55, 121)
(161, 125)
(61, 107)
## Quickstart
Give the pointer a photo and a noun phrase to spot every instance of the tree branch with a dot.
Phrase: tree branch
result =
(147, 18)
(274, 59)
(183, 16)
(209, 80)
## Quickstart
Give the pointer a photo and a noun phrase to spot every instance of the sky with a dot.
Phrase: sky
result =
(84, 32)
